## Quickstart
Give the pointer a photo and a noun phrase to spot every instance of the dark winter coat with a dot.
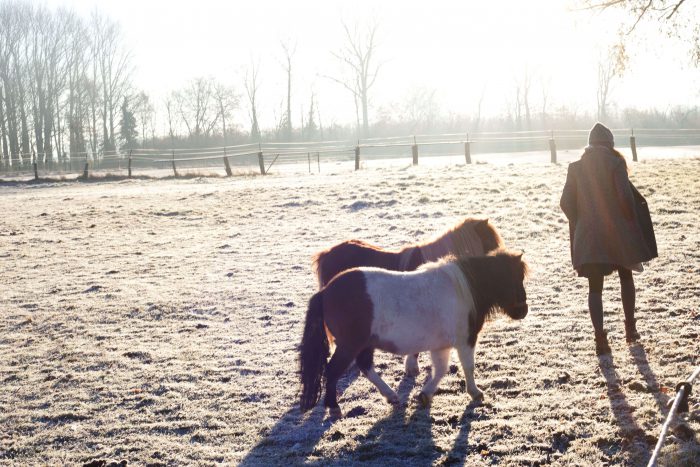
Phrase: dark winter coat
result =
(605, 216)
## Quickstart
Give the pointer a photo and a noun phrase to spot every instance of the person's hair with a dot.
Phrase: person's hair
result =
(617, 153)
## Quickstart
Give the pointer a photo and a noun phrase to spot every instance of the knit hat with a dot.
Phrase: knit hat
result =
(600, 134)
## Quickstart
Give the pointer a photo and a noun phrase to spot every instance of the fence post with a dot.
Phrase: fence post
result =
(36, 171)
(174, 168)
(414, 151)
(85, 170)
(553, 149)
(633, 146)
(261, 162)
(357, 156)
(318, 161)
(130, 163)
(467, 151)
(226, 164)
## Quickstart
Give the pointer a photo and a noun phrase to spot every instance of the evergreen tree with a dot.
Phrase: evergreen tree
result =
(127, 126)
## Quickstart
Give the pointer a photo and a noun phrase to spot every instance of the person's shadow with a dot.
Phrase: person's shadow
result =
(640, 359)
(633, 438)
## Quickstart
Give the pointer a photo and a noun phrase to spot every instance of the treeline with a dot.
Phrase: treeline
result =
(66, 93)
(62, 80)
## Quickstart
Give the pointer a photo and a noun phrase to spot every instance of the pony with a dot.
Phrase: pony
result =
(470, 237)
(440, 306)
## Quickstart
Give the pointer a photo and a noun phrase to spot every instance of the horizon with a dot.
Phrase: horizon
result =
(422, 51)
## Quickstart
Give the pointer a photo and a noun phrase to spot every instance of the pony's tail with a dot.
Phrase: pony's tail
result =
(313, 354)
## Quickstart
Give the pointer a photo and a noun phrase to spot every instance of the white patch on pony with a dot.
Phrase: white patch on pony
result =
(419, 310)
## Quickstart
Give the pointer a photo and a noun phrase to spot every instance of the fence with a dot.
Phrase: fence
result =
(263, 157)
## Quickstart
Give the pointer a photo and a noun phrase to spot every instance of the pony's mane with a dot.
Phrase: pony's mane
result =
(466, 238)
(438, 263)
(473, 269)
(450, 265)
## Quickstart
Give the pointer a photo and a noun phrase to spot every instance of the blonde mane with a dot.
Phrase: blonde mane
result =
(459, 281)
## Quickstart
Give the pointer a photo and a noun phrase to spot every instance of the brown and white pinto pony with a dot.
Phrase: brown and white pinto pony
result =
(471, 237)
(440, 306)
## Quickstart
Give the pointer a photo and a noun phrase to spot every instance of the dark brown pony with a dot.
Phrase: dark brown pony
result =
(471, 237)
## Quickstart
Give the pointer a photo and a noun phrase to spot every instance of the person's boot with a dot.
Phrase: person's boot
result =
(631, 334)
(601, 344)
(595, 308)
(628, 304)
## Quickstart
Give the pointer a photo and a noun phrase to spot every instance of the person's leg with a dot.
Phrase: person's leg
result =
(628, 303)
(595, 308)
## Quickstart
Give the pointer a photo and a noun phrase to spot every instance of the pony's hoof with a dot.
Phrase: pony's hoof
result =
(424, 400)
(335, 413)
(477, 396)
(393, 399)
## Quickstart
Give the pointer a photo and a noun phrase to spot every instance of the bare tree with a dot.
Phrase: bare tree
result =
(357, 55)
(252, 85)
(226, 101)
(77, 59)
(289, 51)
(522, 100)
(476, 123)
(676, 18)
(545, 87)
(143, 110)
(197, 107)
(114, 68)
(610, 65)
(170, 110)
(421, 108)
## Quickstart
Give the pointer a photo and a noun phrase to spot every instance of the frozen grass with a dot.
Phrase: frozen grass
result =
(157, 321)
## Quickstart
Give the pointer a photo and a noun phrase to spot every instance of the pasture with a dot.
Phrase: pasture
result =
(157, 321)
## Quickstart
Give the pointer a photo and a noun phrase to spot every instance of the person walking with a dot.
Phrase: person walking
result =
(610, 228)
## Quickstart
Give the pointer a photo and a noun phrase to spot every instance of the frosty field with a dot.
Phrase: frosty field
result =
(156, 321)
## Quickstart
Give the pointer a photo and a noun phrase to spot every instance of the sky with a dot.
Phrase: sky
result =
(462, 50)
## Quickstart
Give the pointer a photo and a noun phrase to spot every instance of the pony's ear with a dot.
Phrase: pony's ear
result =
(520, 256)
(483, 222)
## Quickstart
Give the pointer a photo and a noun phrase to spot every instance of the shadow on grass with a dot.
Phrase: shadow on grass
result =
(633, 438)
(385, 442)
(640, 359)
(293, 437)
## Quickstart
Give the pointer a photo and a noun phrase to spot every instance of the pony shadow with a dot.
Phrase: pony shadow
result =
(385, 442)
(294, 435)
(640, 359)
(460, 447)
(629, 430)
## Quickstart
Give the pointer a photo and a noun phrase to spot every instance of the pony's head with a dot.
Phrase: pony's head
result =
(496, 281)
(513, 299)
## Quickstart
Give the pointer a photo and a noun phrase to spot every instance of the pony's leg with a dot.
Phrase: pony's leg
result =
(441, 360)
(339, 362)
(466, 357)
(365, 363)
(412, 368)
